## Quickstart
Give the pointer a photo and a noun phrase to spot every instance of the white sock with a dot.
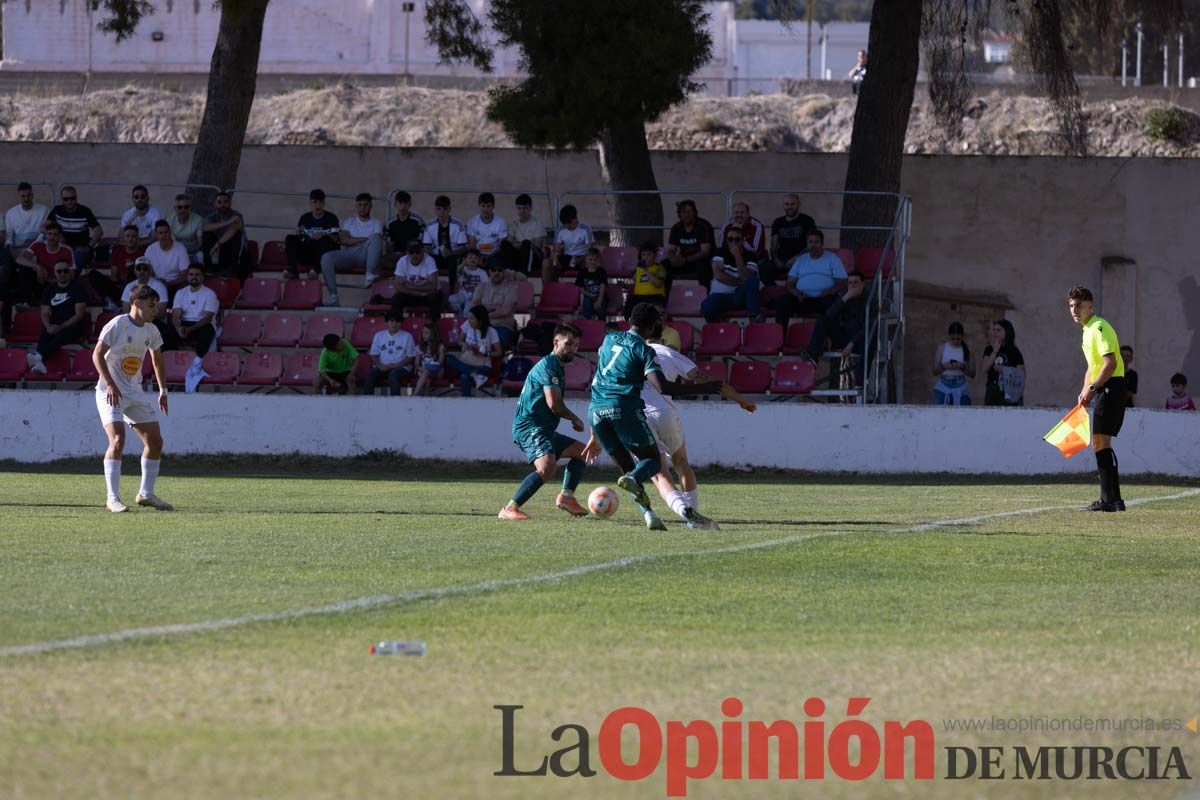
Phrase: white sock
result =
(677, 503)
(693, 498)
(112, 477)
(149, 475)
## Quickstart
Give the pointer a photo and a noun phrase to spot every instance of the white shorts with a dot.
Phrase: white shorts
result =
(667, 428)
(132, 410)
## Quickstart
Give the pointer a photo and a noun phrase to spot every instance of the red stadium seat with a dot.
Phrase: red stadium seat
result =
(750, 377)
(558, 298)
(300, 369)
(259, 293)
(614, 300)
(719, 339)
(450, 329)
(101, 320)
(82, 368)
(281, 329)
(619, 262)
(768, 294)
(274, 257)
(685, 300)
(578, 375)
(687, 335)
(529, 345)
(175, 366)
(524, 298)
(794, 377)
(762, 339)
(364, 331)
(846, 255)
(240, 329)
(13, 364)
(386, 289)
(362, 368)
(252, 252)
(301, 293)
(715, 369)
(868, 259)
(227, 289)
(26, 326)
(798, 336)
(261, 369)
(222, 368)
(57, 366)
(318, 325)
(413, 326)
(591, 334)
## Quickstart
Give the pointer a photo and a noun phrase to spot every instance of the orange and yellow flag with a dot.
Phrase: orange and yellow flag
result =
(1073, 433)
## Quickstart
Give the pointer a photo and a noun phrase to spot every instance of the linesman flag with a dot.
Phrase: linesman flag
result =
(1073, 433)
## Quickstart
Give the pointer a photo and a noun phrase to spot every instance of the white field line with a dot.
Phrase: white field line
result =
(378, 601)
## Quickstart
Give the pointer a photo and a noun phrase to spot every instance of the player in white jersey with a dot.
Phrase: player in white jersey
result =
(663, 418)
(122, 401)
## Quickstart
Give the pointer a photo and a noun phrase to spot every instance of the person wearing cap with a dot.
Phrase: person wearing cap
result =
(316, 234)
(417, 282)
(498, 294)
(144, 276)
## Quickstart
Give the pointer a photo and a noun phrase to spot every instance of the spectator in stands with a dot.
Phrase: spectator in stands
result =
(690, 247)
(335, 368)
(317, 233)
(1004, 367)
(1180, 400)
(789, 238)
(592, 281)
(23, 222)
(125, 255)
(734, 281)
(192, 313)
(1131, 376)
(144, 276)
(405, 226)
(649, 280)
(142, 216)
(417, 282)
(480, 344)
(469, 277)
(487, 229)
(858, 72)
(526, 237)
(392, 355)
(498, 297)
(106, 289)
(224, 239)
(432, 356)
(41, 257)
(571, 244)
(81, 230)
(814, 281)
(952, 365)
(64, 315)
(754, 235)
(361, 241)
(445, 239)
(188, 228)
(168, 257)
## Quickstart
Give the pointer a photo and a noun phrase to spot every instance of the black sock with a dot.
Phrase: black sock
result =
(1106, 469)
(1114, 486)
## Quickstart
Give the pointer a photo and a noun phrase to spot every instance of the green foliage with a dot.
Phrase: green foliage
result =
(1164, 124)
(123, 16)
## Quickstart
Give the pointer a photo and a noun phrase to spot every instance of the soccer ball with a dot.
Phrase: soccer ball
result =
(603, 501)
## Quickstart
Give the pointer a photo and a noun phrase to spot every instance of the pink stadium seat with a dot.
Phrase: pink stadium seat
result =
(414, 325)
(364, 331)
(578, 375)
(769, 293)
(274, 257)
(558, 298)
(687, 335)
(591, 334)
(318, 325)
(300, 369)
(619, 262)
(222, 368)
(281, 329)
(386, 289)
(524, 298)
(57, 366)
(794, 377)
(82, 368)
(301, 293)
(252, 252)
(867, 261)
(259, 293)
(513, 388)
(362, 368)
(101, 320)
(614, 300)
(750, 377)
(530, 346)
(719, 339)
(261, 369)
(798, 336)
(715, 369)
(685, 300)
(450, 329)
(12, 364)
(762, 339)
(26, 326)
(175, 366)
(240, 329)
(846, 255)
(227, 289)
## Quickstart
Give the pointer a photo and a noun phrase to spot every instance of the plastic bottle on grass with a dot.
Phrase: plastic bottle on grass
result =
(396, 647)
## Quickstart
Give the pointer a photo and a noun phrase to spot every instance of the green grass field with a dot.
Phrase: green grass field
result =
(1053, 613)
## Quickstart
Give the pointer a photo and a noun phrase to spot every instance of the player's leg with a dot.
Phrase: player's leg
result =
(1107, 421)
(152, 447)
(115, 431)
(539, 449)
(571, 449)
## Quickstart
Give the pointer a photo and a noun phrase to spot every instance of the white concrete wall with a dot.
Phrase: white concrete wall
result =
(45, 425)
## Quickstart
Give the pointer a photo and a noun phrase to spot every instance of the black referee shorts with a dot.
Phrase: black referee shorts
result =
(1110, 407)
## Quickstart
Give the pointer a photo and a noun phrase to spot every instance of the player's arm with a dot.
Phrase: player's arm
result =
(727, 392)
(554, 400)
(1090, 387)
(674, 389)
(98, 354)
(160, 377)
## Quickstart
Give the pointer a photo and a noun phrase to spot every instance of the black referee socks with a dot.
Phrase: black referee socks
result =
(1106, 467)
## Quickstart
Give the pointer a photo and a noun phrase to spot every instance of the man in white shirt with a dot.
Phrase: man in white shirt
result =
(144, 276)
(417, 282)
(192, 314)
(571, 244)
(526, 237)
(486, 230)
(361, 239)
(23, 222)
(393, 354)
(121, 400)
(168, 257)
(142, 216)
(445, 238)
(814, 281)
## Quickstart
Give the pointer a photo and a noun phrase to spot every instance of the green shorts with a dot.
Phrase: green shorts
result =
(537, 443)
(616, 426)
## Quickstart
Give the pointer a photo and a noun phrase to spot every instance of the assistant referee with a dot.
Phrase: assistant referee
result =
(1104, 381)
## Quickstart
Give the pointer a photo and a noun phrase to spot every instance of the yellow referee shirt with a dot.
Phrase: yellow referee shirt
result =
(1099, 339)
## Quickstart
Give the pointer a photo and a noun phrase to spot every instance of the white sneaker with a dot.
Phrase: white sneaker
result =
(334, 301)
(367, 281)
(34, 360)
(653, 522)
(115, 505)
(480, 380)
(3, 344)
(153, 501)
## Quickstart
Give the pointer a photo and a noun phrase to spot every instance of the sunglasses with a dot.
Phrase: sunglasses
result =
(733, 238)
(182, 208)
(67, 199)
(62, 272)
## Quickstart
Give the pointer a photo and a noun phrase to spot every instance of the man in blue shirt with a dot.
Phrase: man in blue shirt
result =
(815, 280)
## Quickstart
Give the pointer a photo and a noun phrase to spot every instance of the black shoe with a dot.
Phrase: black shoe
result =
(1100, 505)
(1119, 505)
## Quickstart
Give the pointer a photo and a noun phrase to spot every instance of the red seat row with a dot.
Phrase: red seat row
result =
(757, 377)
(756, 339)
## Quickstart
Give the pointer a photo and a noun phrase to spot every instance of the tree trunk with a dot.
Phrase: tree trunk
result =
(625, 165)
(231, 84)
(885, 99)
